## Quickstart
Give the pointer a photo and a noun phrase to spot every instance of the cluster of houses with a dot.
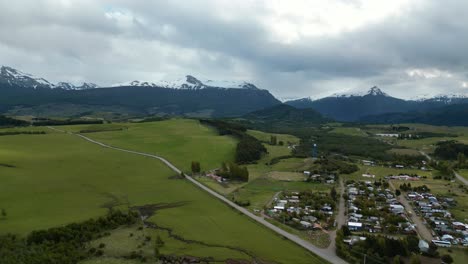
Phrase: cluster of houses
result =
(293, 210)
(372, 221)
(404, 177)
(434, 210)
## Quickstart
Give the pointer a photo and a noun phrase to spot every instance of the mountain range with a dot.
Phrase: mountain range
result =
(355, 106)
(24, 94)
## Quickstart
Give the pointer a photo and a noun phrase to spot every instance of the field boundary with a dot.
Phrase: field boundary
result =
(327, 255)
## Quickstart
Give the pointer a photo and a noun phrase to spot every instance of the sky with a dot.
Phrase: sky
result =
(294, 48)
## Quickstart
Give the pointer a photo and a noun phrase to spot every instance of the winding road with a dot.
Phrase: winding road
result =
(326, 254)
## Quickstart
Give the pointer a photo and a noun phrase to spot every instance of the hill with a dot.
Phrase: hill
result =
(285, 116)
(451, 115)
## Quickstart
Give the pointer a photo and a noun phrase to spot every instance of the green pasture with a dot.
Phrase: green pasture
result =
(351, 131)
(181, 141)
(55, 179)
(380, 172)
(265, 137)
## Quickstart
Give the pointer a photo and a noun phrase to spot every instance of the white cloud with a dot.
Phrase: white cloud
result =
(293, 48)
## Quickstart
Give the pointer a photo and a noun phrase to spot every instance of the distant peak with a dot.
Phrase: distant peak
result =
(193, 80)
(376, 91)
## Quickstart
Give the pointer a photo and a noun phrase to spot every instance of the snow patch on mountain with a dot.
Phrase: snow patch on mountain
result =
(374, 91)
(190, 82)
(22, 79)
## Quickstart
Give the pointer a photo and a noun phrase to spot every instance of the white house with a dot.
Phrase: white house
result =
(354, 226)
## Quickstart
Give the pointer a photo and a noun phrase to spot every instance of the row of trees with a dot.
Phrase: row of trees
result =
(196, 168)
(64, 245)
(249, 149)
(234, 172)
(7, 121)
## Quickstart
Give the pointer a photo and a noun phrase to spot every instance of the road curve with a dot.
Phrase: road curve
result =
(458, 176)
(323, 253)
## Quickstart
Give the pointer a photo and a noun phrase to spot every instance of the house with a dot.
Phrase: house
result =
(352, 191)
(306, 224)
(367, 175)
(447, 238)
(423, 246)
(309, 218)
(397, 208)
(368, 163)
(387, 135)
(399, 166)
(459, 226)
(307, 173)
(354, 226)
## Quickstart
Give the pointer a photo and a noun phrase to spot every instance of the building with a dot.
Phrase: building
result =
(354, 226)
(423, 246)
(387, 135)
(306, 224)
(397, 208)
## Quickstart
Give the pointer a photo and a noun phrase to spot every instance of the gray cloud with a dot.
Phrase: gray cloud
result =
(108, 42)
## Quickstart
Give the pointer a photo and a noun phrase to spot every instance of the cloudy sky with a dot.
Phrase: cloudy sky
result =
(292, 48)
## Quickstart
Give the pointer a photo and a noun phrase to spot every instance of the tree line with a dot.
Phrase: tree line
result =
(62, 245)
(248, 149)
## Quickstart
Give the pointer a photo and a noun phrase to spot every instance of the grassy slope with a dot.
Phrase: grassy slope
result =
(179, 140)
(60, 178)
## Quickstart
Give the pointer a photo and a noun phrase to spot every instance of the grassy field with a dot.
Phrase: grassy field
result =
(409, 152)
(260, 191)
(56, 178)
(351, 131)
(463, 173)
(181, 141)
(265, 137)
(381, 172)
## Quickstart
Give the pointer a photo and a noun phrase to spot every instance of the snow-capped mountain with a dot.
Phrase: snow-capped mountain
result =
(374, 91)
(18, 78)
(190, 82)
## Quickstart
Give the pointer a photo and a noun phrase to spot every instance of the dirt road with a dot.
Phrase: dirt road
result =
(422, 230)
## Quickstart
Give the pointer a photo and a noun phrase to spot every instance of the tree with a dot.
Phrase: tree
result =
(398, 192)
(157, 254)
(396, 259)
(346, 231)
(447, 259)
(273, 140)
(415, 259)
(159, 241)
(196, 167)
(461, 159)
(4, 213)
(333, 193)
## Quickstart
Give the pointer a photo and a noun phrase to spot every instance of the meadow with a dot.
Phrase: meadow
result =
(179, 140)
(58, 178)
(380, 172)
